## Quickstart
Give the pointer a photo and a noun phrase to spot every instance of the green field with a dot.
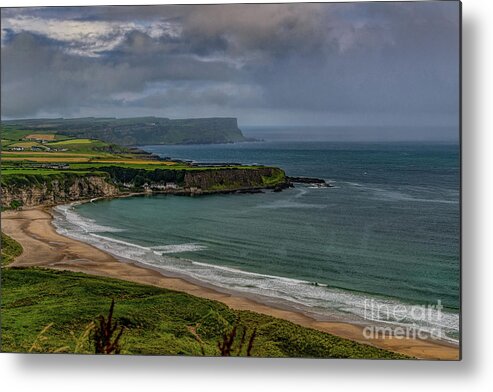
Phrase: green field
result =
(76, 142)
(156, 321)
(27, 144)
(13, 170)
(80, 145)
(12, 133)
(13, 137)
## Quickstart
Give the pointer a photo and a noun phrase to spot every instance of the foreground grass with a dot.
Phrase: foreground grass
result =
(10, 249)
(48, 311)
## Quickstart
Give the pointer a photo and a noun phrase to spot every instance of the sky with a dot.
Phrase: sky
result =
(378, 64)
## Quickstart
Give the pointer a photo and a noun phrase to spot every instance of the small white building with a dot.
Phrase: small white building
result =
(171, 185)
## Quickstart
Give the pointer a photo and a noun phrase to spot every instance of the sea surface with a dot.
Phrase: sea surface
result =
(385, 237)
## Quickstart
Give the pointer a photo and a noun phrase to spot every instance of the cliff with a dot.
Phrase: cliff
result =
(225, 179)
(31, 190)
(51, 190)
(234, 179)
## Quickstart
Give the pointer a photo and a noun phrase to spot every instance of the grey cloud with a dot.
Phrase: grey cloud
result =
(209, 94)
(398, 61)
(322, 61)
(273, 28)
(37, 76)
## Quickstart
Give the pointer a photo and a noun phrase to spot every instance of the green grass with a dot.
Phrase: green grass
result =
(157, 321)
(27, 155)
(96, 165)
(178, 166)
(10, 249)
(13, 133)
(25, 173)
(27, 145)
(16, 134)
(15, 138)
(77, 142)
(277, 178)
(38, 171)
(79, 145)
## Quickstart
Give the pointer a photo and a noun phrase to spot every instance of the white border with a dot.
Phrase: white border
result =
(78, 373)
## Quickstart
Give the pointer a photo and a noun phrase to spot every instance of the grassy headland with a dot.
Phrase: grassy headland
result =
(42, 166)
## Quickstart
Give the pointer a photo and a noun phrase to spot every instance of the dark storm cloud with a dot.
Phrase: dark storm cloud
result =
(386, 61)
(37, 76)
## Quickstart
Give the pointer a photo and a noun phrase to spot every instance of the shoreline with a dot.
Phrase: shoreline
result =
(44, 247)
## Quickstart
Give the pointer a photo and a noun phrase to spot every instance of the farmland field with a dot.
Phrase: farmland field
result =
(76, 141)
(26, 144)
(41, 136)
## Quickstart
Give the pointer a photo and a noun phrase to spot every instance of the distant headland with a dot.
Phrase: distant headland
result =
(140, 130)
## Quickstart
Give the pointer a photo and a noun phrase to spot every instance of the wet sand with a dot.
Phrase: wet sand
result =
(44, 247)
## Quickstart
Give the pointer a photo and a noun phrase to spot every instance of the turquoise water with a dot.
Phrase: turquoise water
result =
(387, 231)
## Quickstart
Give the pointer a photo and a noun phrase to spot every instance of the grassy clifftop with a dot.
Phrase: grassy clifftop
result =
(29, 188)
(156, 321)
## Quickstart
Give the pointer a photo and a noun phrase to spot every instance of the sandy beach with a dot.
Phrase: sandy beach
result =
(44, 247)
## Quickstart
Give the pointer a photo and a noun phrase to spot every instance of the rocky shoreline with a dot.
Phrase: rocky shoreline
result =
(310, 180)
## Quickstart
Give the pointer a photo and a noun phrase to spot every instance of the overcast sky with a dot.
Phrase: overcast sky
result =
(314, 64)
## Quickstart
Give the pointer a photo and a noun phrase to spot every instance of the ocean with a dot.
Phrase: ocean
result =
(385, 236)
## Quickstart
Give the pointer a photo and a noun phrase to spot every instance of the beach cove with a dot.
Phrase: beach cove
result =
(44, 247)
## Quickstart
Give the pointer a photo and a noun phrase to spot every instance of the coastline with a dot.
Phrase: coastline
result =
(44, 247)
